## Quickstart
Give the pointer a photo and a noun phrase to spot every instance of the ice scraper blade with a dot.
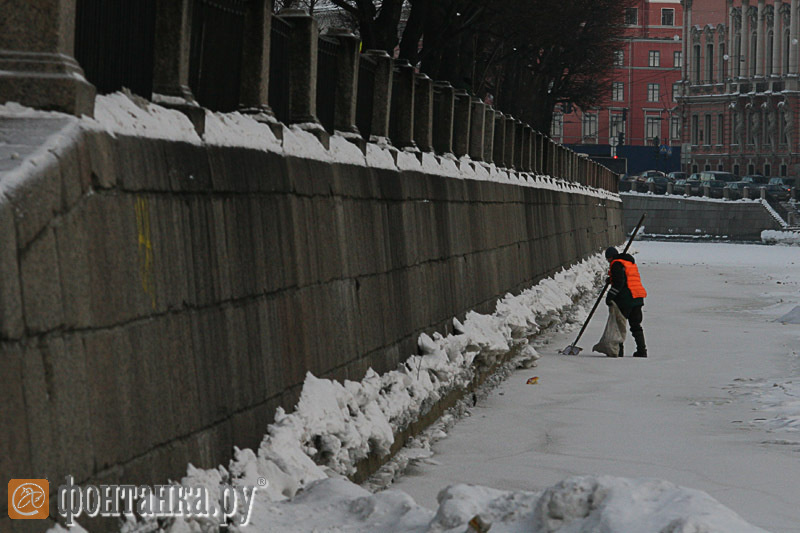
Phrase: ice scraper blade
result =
(571, 350)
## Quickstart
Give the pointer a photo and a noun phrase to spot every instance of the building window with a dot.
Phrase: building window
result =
(720, 167)
(707, 129)
(619, 58)
(722, 62)
(695, 129)
(767, 169)
(668, 17)
(654, 58)
(694, 169)
(770, 38)
(652, 92)
(695, 74)
(677, 59)
(652, 129)
(617, 91)
(709, 63)
(675, 127)
(631, 16)
(720, 129)
(557, 129)
(735, 170)
(786, 45)
(751, 169)
(784, 170)
(753, 54)
(589, 126)
(616, 126)
(676, 91)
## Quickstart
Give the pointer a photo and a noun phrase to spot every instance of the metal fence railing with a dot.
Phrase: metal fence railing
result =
(215, 56)
(327, 52)
(366, 87)
(114, 44)
(279, 68)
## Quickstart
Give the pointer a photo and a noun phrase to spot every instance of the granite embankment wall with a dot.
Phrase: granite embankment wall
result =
(159, 299)
(698, 217)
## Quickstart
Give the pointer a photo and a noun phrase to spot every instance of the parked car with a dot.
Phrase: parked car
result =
(693, 187)
(756, 179)
(641, 179)
(627, 183)
(736, 189)
(659, 184)
(715, 188)
(675, 176)
(680, 186)
(710, 175)
(788, 183)
(777, 192)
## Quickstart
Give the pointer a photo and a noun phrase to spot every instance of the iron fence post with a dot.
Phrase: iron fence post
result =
(443, 106)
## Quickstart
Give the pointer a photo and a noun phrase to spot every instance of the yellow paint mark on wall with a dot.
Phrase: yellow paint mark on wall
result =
(145, 249)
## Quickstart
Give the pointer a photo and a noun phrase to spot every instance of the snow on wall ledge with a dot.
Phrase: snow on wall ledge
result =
(163, 294)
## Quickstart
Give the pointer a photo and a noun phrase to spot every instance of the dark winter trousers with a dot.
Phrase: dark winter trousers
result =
(635, 320)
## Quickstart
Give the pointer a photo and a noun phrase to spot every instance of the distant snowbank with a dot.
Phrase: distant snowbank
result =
(780, 237)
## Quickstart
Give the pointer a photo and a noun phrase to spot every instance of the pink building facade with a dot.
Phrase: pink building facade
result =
(740, 86)
(642, 101)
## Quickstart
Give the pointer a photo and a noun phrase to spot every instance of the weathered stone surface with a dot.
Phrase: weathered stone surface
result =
(109, 365)
(11, 322)
(15, 452)
(101, 148)
(41, 290)
(73, 258)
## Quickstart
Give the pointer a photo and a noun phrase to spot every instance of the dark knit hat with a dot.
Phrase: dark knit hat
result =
(611, 253)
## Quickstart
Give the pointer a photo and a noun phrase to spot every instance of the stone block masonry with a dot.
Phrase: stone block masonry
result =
(160, 317)
(676, 216)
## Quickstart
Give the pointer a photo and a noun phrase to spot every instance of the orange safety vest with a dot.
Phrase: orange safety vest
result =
(632, 275)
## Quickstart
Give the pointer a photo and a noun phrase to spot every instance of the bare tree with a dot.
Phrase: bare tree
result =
(528, 54)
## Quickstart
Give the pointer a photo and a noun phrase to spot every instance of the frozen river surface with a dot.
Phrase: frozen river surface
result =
(715, 407)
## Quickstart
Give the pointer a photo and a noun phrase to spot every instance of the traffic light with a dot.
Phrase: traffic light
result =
(620, 138)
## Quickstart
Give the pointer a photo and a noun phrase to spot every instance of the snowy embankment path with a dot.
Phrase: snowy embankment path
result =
(716, 406)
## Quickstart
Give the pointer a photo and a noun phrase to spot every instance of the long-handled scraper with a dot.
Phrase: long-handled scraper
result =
(573, 349)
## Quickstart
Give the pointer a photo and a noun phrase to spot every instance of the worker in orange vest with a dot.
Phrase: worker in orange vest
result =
(628, 293)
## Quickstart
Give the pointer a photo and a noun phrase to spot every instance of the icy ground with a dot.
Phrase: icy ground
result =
(716, 406)
(700, 437)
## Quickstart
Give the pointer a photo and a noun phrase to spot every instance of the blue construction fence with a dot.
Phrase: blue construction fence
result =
(638, 158)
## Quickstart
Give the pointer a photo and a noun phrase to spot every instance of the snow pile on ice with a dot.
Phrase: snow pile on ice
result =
(792, 317)
(584, 504)
(778, 404)
(769, 236)
(339, 424)
(335, 425)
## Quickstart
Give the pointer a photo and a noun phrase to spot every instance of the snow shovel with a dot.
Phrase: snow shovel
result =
(574, 349)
